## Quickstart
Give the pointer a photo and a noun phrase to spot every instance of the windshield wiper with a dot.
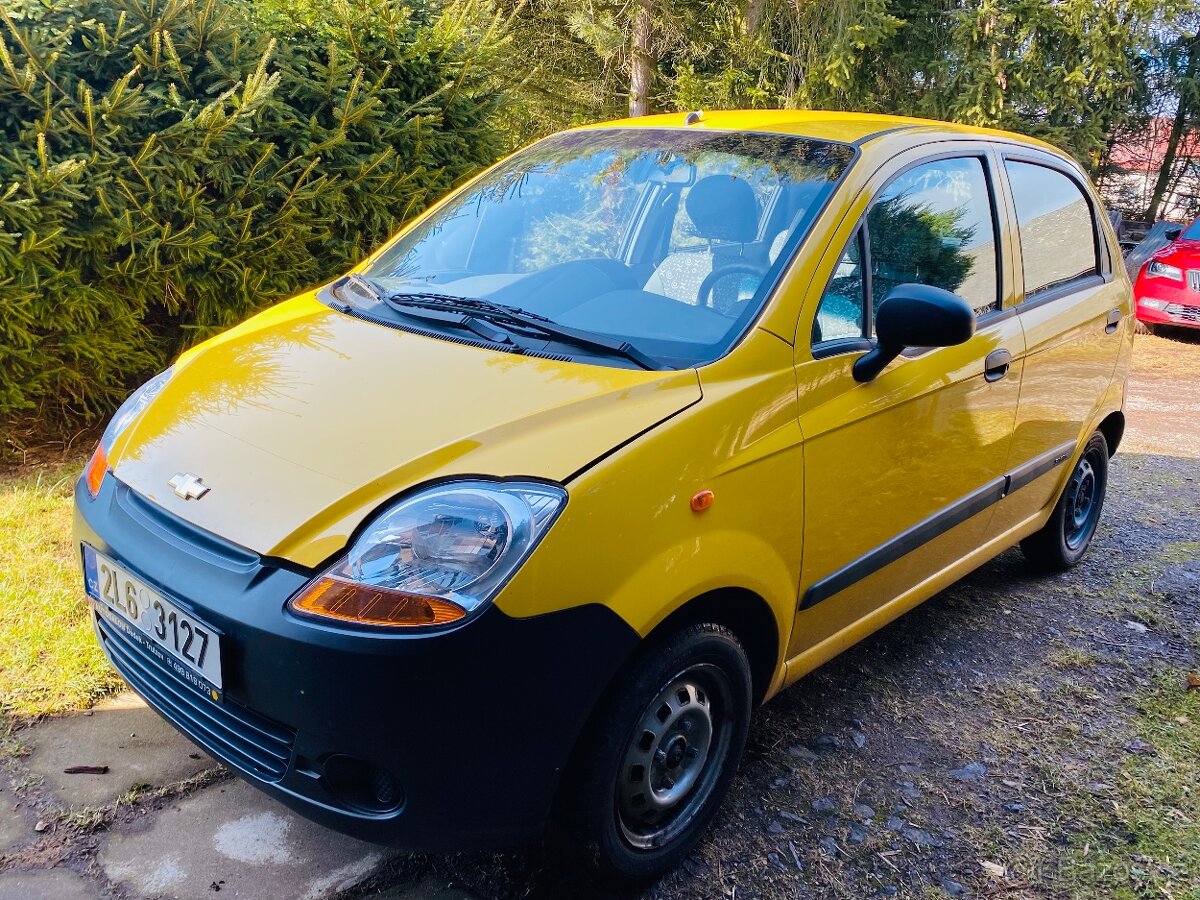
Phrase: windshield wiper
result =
(455, 303)
(499, 312)
(455, 318)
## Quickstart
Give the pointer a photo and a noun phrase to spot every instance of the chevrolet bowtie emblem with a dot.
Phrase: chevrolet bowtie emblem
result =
(188, 486)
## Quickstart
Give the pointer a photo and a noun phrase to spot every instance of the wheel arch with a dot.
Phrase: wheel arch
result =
(747, 615)
(1113, 428)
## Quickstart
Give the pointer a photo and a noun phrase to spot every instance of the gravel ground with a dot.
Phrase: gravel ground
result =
(970, 748)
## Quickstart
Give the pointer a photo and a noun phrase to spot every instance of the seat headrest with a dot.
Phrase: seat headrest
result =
(723, 208)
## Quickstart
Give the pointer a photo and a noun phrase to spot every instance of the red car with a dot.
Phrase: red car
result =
(1167, 290)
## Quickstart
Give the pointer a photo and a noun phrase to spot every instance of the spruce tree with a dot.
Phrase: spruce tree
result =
(167, 168)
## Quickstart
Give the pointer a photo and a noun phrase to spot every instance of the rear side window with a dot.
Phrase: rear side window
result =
(1058, 233)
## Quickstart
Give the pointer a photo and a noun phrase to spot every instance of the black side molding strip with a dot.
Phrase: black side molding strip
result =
(1039, 466)
(936, 525)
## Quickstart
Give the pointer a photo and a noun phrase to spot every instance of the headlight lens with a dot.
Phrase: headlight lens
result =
(132, 407)
(97, 466)
(1158, 269)
(435, 557)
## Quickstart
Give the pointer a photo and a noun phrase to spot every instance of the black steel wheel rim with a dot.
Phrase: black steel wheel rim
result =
(1083, 500)
(675, 756)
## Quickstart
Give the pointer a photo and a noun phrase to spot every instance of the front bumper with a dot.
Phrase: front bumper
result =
(1183, 308)
(473, 726)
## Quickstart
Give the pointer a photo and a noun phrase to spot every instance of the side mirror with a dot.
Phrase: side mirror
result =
(1172, 234)
(915, 315)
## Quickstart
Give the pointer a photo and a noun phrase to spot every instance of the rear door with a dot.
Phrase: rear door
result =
(901, 474)
(1072, 310)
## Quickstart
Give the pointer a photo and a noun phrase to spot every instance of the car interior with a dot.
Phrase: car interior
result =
(677, 260)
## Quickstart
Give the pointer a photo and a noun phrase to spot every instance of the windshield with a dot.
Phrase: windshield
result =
(1193, 232)
(668, 239)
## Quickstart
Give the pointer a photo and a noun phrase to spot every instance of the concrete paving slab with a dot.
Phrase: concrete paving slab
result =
(54, 884)
(237, 838)
(136, 744)
(14, 829)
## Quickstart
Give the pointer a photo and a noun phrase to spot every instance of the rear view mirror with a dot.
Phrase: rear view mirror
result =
(673, 173)
(1172, 234)
(915, 315)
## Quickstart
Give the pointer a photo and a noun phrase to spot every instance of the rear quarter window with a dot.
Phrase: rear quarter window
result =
(1054, 218)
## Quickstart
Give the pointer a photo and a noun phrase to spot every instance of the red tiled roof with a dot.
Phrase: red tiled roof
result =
(1144, 151)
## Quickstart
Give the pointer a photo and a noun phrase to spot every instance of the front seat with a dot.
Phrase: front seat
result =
(724, 212)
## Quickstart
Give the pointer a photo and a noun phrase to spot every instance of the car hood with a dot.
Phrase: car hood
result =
(1185, 250)
(304, 420)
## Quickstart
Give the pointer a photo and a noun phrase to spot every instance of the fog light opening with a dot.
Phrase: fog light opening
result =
(359, 785)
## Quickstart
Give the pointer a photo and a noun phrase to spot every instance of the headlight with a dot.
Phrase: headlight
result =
(97, 466)
(133, 405)
(1158, 269)
(435, 557)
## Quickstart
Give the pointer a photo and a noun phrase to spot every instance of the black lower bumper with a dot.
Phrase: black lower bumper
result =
(436, 741)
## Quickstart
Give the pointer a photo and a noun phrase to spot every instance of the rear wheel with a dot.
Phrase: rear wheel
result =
(1064, 539)
(665, 747)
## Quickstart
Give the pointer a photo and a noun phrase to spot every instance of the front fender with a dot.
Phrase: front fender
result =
(628, 537)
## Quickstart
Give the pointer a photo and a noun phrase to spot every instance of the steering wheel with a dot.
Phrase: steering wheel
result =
(705, 294)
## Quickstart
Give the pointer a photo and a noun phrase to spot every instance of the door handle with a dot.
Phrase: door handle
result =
(995, 366)
(1114, 319)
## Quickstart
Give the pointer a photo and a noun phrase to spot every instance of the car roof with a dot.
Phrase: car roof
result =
(846, 127)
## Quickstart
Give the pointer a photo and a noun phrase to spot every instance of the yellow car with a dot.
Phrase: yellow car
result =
(517, 522)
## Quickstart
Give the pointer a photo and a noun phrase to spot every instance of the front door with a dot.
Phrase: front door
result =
(901, 474)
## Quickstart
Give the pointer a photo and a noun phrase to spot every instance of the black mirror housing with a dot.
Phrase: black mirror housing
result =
(915, 315)
(1172, 234)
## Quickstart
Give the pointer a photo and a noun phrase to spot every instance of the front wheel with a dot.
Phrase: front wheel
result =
(1064, 539)
(666, 745)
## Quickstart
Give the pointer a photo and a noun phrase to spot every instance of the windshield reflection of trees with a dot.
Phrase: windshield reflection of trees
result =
(587, 185)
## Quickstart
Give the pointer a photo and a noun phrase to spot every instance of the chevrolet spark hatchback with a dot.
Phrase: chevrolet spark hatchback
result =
(518, 520)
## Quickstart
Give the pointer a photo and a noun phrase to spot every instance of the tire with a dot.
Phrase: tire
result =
(1140, 327)
(1065, 538)
(665, 746)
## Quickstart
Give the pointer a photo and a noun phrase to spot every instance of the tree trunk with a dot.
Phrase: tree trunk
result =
(754, 15)
(1182, 112)
(641, 63)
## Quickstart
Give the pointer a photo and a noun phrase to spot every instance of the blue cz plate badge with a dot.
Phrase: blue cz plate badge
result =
(180, 640)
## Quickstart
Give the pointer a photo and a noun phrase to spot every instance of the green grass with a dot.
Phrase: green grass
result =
(1146, 843)
(49, 661)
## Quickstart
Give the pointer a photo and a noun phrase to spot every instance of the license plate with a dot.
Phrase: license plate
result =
(189, 642)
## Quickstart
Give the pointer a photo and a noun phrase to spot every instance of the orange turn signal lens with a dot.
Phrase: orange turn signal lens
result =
(365, 604)
(97, 468)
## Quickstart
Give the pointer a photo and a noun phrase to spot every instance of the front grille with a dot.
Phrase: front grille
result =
(226, 729)
(1187, 313)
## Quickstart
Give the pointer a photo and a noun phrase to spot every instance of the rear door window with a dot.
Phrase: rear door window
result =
(1058, 233)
